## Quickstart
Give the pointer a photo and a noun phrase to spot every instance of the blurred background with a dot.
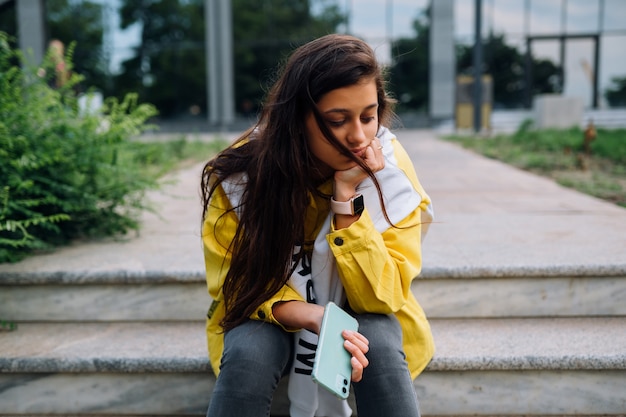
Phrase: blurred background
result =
(172, 51)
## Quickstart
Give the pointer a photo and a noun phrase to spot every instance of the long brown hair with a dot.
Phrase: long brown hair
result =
(280, 169)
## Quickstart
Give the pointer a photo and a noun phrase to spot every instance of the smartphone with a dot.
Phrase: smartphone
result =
(331, 367)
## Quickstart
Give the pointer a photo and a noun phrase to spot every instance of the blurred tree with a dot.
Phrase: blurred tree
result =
(616, 93)
(8, 21)
(505, 64)
(78, 21)
(81, 22)
(265, 32)
(409, 71)
(169, 67)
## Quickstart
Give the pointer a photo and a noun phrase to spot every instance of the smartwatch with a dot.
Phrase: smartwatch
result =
(352, 207)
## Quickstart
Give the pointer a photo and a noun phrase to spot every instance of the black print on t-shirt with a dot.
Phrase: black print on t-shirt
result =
(303, 256)
(305, 263)
(310, 294)
(302, 271)
(305, 359)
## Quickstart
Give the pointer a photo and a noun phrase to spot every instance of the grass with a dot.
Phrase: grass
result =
(561, 155)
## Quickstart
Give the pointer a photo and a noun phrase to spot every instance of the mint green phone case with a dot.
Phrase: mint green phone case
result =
(332, 368)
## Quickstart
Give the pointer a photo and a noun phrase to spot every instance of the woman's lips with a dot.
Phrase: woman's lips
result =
(359, 152)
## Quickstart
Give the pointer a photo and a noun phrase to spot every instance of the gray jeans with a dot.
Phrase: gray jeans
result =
(257, 355)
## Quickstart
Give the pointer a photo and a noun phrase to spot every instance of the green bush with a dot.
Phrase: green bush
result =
(61, 176)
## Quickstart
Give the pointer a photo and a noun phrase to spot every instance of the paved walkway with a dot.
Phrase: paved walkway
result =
(490, 219)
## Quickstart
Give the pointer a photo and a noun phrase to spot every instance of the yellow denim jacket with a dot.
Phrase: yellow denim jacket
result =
(376, 269)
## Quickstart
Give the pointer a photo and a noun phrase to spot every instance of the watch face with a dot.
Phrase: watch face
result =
(358, 205)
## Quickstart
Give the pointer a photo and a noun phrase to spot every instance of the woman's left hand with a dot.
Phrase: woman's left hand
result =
(357, 345)
(350, 178)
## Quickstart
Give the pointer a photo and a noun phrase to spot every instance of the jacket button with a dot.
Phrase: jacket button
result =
(338, 241)
(261, 314)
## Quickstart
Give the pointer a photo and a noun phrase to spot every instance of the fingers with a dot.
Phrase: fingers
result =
(357, 345)
(376, 144)
(358, 338)
(374, 155)
(357, 370)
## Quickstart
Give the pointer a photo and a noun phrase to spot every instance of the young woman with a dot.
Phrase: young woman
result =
(318, 202)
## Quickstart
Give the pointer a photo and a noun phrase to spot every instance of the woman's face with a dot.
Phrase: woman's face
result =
(351, 113)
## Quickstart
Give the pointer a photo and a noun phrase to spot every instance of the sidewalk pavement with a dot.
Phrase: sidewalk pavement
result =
(490, 220)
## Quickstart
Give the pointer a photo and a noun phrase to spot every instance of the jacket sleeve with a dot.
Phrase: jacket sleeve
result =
(376, 269)
(218, 231)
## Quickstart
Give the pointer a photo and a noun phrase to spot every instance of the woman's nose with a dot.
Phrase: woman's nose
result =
(357, 133)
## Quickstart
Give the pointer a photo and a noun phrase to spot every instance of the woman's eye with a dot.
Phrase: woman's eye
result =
(336, 123)
(367, 119)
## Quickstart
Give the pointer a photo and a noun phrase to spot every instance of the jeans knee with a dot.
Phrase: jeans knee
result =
(255, 357)
(385, 340)
(386, 388)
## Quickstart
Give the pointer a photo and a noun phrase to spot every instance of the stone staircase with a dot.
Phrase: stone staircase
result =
(524, 283)
(510, 342)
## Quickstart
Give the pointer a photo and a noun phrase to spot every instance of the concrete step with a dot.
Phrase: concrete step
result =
(512, 292)
(523, 292)
(538, 366)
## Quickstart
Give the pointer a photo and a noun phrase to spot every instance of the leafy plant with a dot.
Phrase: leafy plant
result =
(60, 174)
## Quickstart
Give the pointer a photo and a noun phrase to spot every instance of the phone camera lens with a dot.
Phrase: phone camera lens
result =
(345, 382)
(344, 390)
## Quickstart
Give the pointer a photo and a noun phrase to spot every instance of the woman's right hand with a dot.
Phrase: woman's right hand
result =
(299, 314)
(357, 345)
